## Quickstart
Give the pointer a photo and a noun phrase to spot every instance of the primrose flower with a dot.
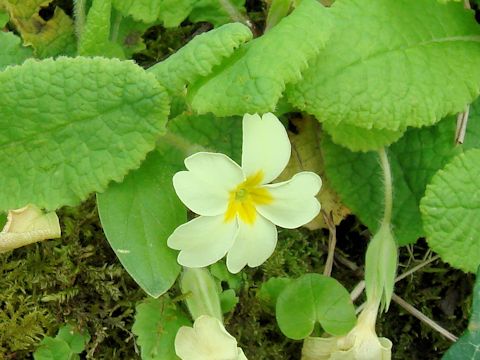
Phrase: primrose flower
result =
(207, 340)
(27, 225)
(238, 207)
(361, 343)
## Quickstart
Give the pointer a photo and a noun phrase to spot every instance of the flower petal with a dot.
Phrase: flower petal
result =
(253, 246)
(203, 240)
(204, 189)
(294, 203)
(266, 146)
(207, 340)
(27, 225)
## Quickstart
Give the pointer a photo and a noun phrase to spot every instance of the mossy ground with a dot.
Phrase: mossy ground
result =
(78, 280)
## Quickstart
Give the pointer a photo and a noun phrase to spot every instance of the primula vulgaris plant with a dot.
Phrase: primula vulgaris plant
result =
(378, 86)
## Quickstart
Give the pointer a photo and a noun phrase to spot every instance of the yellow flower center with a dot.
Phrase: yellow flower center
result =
(245, 197)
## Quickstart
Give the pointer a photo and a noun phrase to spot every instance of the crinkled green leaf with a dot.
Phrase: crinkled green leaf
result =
(217, 12)
(3, 18)
(12, 51)
(156, 324)
(95, 38)
(314, 298)
(130, 34)
(173, 12)
(137, 216)
(414, 159)
(360, 139)
(188, 134)
(254, 78)
(49, 38)
(467, 347)
(393, 64)
(141, 10)
(71, 126)
(451, 209)
(199, 56)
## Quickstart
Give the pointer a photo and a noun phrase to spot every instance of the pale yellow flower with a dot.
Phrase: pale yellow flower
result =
(28, 225)
(361, 343)
(238, 207)
(207, 340)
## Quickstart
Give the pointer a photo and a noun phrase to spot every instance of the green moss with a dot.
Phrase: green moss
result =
(74, 280)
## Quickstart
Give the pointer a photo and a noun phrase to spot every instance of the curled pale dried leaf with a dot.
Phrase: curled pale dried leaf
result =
(307, 156)
(27, 225)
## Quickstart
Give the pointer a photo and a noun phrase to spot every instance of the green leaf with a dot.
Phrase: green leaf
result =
(228, 300)
(64, 346)
(451, 209)
(271, 289)
(277, 10)
(75, 340)
(137, 216)
(156, 324)
(173, 12)
(314, 298)
(95, 38)
(466, 348)
(360, 139)
(141, 10)
(79, 123)
(389, 77)
(199, 56)
(130, 34)
(13, 53)
(217, 12)
(190, 134)
(3, 220)
(414, 160)
(53, 349)
(4, 18)
(254, 78)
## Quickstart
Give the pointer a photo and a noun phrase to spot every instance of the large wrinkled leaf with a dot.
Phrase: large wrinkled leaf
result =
(51, 37)
(73, 125)
(466, 348)
(414, 160)
(314, 298)
(451, 209)
(141, 10)
(254, 78)
(199, 56)
(156, 324)
(137, 216)
(217, 12)
(95, 38)
(12, 51)
(387, 71)
(188, 134)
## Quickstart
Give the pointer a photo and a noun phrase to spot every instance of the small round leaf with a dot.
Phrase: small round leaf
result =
(314, 298)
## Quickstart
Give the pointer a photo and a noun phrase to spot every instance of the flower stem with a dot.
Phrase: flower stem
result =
(79, 11)
(387, 179)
